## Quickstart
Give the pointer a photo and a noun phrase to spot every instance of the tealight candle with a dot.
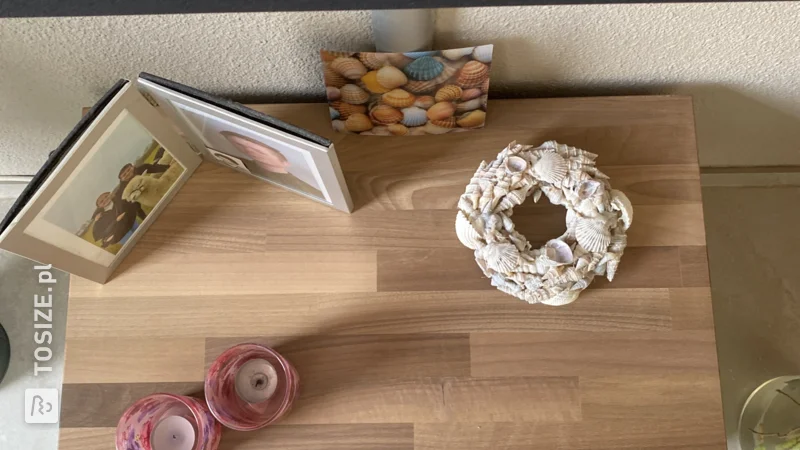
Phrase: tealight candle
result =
(168, 422)
(256, 381)
(173, 433)
(250, 386)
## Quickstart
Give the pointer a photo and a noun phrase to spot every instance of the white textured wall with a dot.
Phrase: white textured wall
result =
(741, 61)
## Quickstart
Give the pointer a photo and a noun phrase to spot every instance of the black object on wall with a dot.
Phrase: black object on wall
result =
(60, 8)
(5, 353)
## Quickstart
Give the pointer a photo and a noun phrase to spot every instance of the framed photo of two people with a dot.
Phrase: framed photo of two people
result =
(122, 164)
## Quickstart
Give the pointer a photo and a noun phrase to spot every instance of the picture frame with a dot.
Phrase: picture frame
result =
(122, 164)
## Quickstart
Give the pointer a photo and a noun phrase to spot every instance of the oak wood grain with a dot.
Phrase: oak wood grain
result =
(368, 313)
(691, 309)
(109, 360)
(585, 354)
(323, 437)
(399, 341)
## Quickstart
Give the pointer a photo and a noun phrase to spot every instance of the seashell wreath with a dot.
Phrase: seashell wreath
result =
(597, 220)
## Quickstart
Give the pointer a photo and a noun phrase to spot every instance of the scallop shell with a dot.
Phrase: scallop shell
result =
(397, 129)
(483, 53)
(449, 69)
(516, 164)
(449, 122)
(466, 232)
(420, 54)
(562, 298)
(370, 81)
(469, 94)
(338, 125)
(353, 94)
(472, 75)
(432, 128)
(448, 93)
(346, 109)
(391, 77)
(373, 61)
(414, 117)
(456, 53)
(425, 102)
(441, 110)
(621, 203)
(398, 98)
(385, 114)
(423, 68)
(348, 67)
(380, 130)
(332, 93)
(329, 56)
(358, 122)
(503, 258)
(333, 78)
(420, 87)
(592, 235)
(551, 168)
(399, 60)
(334, 113)
(472, 119)
(469, 105)
(417, 131)
(560, 253)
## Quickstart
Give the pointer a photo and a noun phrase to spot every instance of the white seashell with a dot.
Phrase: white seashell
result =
(466, 232)
(621, 203)
(414, 116)
(562, 298)
(516, 164)
(554, 194)
(618, 242)
(562, 253)
(592, 235)
(338, 125)
(456, 53)
(510, 200)
(551, 168)
(483, 53)
(611, 269)
(589, 188)
(503, 258)
(468, 105)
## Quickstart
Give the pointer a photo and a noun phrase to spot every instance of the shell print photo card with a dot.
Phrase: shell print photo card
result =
(118, 169)
(408, 94)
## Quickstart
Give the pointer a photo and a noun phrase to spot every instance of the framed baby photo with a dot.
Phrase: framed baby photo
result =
(101, 189)
(121, 165)
(234, 136)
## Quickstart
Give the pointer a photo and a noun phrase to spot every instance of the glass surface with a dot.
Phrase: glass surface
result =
(770, 418)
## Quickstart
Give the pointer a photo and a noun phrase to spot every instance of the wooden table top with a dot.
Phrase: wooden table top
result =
(399, 340)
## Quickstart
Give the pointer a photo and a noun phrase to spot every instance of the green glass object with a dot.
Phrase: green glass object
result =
(770, 418)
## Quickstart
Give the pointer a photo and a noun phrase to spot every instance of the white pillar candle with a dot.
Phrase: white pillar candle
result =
(256, 381)
(173, 433)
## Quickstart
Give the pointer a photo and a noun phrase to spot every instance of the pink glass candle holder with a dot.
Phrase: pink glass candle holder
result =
(168, 422)
(250, 386)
